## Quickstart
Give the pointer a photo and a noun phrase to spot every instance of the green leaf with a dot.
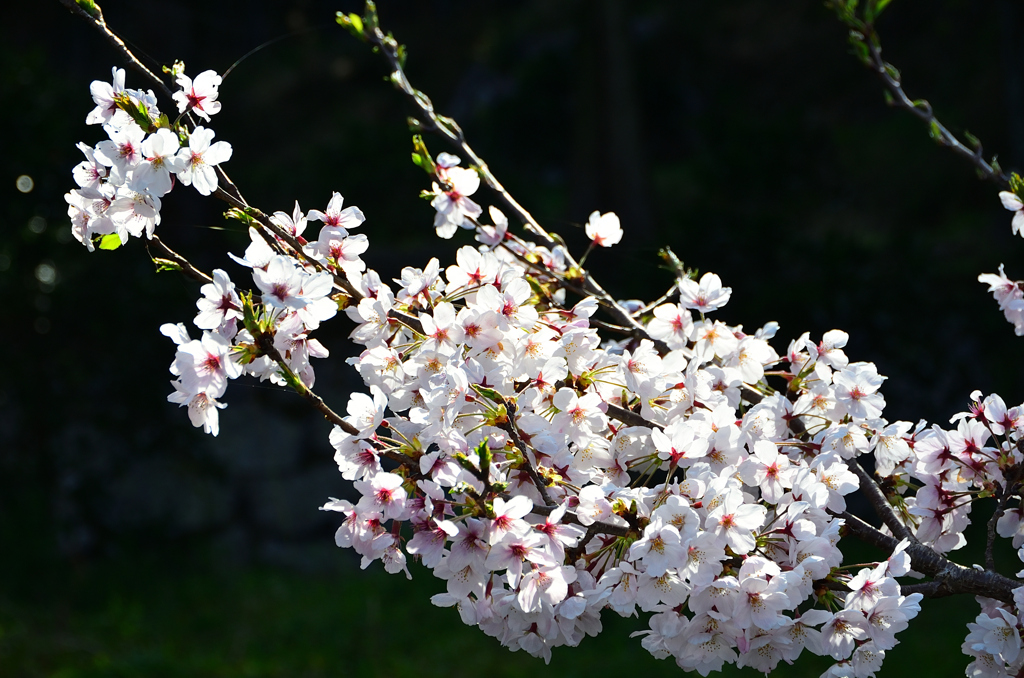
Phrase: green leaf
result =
(353, 23)
(370, 15)
(873, 9)
(670, 258)
(175, 69)
(974, 142)
(166, 265)
(238, 215)
(860, 48)
(463, 461)
(421, 156)
(1016, 183)
(922, 105)
(110, 241)
(249, 316)
(537, 288)
(488, 393)
(485, 454)
(90, 7)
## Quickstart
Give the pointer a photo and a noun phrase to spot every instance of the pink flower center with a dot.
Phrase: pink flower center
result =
(280, 290)
(212, 363)
(194, 100)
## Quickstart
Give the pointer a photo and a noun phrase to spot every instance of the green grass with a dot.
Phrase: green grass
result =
(178, 610)
(145, 616)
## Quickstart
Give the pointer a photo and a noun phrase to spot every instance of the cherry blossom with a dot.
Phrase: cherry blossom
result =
(105, 96)
(199, 95)
(546, 470)
(604, 229)
(706, 296)
(454, 207)
(1013, 203)
(199, 159)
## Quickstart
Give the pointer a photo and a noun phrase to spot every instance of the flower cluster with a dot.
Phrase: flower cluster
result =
(123, 178)
(518, 475)
(274, 342)
(544, 473)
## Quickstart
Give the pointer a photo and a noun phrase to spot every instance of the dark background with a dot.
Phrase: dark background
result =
(741, 133)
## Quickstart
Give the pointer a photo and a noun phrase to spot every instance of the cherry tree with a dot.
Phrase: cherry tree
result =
(554, 454)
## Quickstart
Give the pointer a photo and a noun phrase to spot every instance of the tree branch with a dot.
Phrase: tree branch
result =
(598, 527)
(98, 22)
(990, 532)
(510, 428)
(949, 577)
(450, 131)
(186, 267)
(880, 504)
(868, 48)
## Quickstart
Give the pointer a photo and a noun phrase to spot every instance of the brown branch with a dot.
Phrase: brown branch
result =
(880, 504)
(949, 577)
(450, 131)
(627, 417)
(868, 47)
(265, 343)
(100, 24)
(186, 267)
(929, 589)
(923, 111)
(510, 427)
(573, 554)
(663, 299)
(830, 585)
(409, 321)
(599, 527)
(990, 532)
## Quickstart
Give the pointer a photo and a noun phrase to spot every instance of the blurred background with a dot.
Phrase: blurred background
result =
(741, 133)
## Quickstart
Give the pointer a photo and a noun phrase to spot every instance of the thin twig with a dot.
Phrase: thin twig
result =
(864, 36)
(186, 267)
(663, 299)
(265, 343)
(510, 428)
(923, 111)
(990, 536)
(297, 251)
(100, 24)
(450, 131)
(599, 527)
(229, 192)
(616, 329)
(627, 417)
